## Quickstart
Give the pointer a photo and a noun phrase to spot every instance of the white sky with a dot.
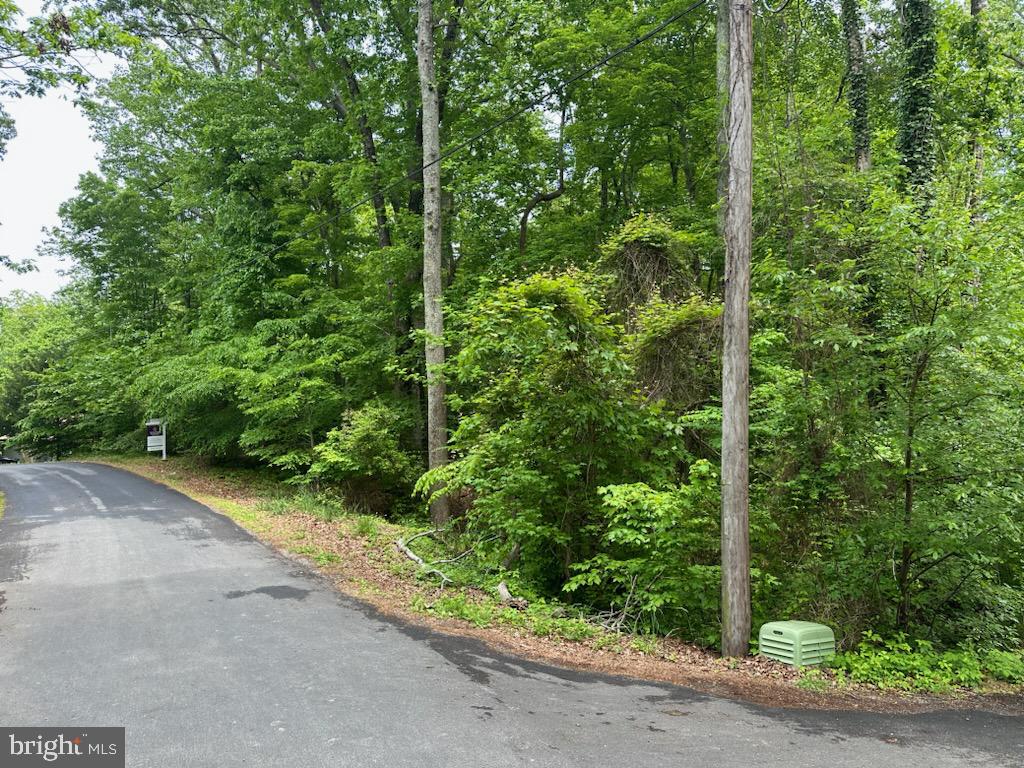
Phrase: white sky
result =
(40, 171)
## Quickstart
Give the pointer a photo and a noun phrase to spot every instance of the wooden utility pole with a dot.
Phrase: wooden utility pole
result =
(722, 92)
(736, 337)
(437, 412)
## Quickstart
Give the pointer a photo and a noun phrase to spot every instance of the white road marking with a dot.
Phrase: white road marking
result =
(96, 501)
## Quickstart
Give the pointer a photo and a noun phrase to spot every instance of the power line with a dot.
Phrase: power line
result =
(465, 143)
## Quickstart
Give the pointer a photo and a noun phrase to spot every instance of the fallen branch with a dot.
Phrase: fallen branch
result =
(454, 559)
(508, 599)
(403, 547)
(470, 551)
(419, 535)
(610, 620)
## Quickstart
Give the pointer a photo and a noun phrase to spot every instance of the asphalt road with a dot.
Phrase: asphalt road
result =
(123, 603)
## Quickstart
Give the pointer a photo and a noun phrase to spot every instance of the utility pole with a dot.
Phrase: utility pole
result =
(437, 412)
(722, 93)
(736, 336)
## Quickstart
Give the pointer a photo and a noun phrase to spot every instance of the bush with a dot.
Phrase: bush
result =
(1007, 666)
(643, 530)
(674, 351)
(648, 256)
(550, 413)
(365, 457)
(907, 665)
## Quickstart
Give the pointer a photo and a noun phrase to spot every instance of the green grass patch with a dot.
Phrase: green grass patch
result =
(366, 527)
(645, 644)
(324, 558)
(813, 679)
(303, 502)
(539, 619)
(280, 506)
(317, 505)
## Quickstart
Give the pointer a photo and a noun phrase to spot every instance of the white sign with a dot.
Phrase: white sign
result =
(156, 437)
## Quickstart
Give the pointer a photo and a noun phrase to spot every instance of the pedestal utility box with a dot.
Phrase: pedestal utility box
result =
(798, 643)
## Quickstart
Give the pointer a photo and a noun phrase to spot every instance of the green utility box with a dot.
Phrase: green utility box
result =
(798, 643)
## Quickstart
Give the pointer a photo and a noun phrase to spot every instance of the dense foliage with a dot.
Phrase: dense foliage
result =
(223, 281)
(904, 665)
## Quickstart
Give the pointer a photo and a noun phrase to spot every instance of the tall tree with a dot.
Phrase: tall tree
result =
(978, 8)
(857, 78)
(917, 99)
(437, 414)
(736, 338)
(367, 140)
(917, 150)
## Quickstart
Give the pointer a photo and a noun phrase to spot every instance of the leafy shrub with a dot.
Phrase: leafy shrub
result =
(907, 665)
(812, 679)
(459, 606)
(575, 629)
(581, 478)
(539, 618)
(550, 413)
(366, 458)
(645, 644)
(645, 530)
(647, 255)
(674, 351)
(1007, 666)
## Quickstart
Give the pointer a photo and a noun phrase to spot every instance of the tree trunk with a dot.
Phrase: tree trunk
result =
(916, 131)
(437, 416)
(736, 338)
(369, 144)
(903, 579)
(978, 8)
(545, 196)
(858, 85)
(906, 549)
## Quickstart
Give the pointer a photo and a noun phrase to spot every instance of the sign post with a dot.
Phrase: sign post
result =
(156, 437)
